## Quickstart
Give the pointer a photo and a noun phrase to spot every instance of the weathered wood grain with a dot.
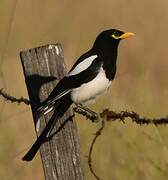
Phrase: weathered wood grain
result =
(61, 155)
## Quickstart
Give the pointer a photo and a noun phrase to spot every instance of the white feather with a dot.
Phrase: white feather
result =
(47, 111)
(51, 102)
(38, 125)
(88, 91)
(60, 95)
(82, 65)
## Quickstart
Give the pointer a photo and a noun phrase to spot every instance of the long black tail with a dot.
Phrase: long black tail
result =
(64, 104)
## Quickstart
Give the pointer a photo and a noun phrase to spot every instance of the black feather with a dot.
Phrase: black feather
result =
(62, 107)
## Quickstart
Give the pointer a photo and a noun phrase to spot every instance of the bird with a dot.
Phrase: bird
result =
(90, 76)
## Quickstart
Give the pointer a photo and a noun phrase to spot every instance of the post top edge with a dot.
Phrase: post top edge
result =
(47, 46)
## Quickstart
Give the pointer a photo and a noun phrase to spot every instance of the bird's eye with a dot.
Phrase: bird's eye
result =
(116, 34)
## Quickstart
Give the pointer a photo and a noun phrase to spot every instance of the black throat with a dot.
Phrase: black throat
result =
(106, 50)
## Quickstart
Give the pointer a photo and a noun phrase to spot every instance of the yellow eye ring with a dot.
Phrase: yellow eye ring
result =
(116, 36)
(123, 36)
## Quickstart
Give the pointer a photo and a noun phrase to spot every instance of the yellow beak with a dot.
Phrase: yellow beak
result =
(126, 35)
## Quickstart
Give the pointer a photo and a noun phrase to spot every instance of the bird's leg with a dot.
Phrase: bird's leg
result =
(87, 109)
(87, 112)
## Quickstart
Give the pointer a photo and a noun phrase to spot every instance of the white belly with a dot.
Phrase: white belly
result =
(89, 91)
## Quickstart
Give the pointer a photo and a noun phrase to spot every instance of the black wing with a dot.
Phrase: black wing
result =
(68, 83)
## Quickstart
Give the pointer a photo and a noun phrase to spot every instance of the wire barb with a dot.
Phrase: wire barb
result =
(13, 99)
(106, 116)
(93, 117)
(109, 115)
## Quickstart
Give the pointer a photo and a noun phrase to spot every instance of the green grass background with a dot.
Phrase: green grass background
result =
(124, 151)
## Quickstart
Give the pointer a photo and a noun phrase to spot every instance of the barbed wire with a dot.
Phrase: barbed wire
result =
(13, 99)
(96, 135)
(109, 116)
(105, 116)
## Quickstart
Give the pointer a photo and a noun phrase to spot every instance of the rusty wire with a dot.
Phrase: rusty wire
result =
(105, 116)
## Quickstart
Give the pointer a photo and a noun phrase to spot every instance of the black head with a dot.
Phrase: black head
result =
(109, 39)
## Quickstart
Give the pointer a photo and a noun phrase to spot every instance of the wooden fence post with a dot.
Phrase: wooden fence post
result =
(61, 155)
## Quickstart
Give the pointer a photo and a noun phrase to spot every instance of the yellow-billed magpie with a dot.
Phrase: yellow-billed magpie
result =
(89, 77)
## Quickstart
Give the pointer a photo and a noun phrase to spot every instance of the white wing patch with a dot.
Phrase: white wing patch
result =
(82, 65)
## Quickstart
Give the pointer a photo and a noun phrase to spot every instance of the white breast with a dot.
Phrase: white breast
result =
(90, 90)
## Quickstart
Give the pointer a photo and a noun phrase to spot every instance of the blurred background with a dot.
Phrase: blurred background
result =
(124, 151)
